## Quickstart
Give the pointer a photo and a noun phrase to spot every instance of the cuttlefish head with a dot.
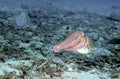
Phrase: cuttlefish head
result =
(76, 42)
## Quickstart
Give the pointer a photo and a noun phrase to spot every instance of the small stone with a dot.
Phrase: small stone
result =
(24, 45)
(57, 60)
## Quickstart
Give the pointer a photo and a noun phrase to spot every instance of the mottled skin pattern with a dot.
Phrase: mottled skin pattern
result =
(76, 40)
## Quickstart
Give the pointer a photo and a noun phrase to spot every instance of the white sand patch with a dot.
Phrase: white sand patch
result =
(10, 67)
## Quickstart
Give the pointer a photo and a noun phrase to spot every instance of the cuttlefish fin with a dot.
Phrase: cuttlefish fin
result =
(91, 44)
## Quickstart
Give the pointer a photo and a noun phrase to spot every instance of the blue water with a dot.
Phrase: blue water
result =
(98, 6)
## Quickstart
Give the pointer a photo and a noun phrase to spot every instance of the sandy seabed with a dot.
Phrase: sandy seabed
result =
(27, 37)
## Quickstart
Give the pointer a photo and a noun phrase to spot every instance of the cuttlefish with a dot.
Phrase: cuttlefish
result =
(76, 42)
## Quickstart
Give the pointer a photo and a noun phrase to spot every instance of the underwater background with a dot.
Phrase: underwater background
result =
(59, 39)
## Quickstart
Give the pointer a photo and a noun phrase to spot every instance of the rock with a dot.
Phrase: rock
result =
(21, 20)
(92, 74)
(57, 60)
(5, 69)
(24, 45)
(71, 67)
(10, 67)
(2, 41)
(33, 26)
